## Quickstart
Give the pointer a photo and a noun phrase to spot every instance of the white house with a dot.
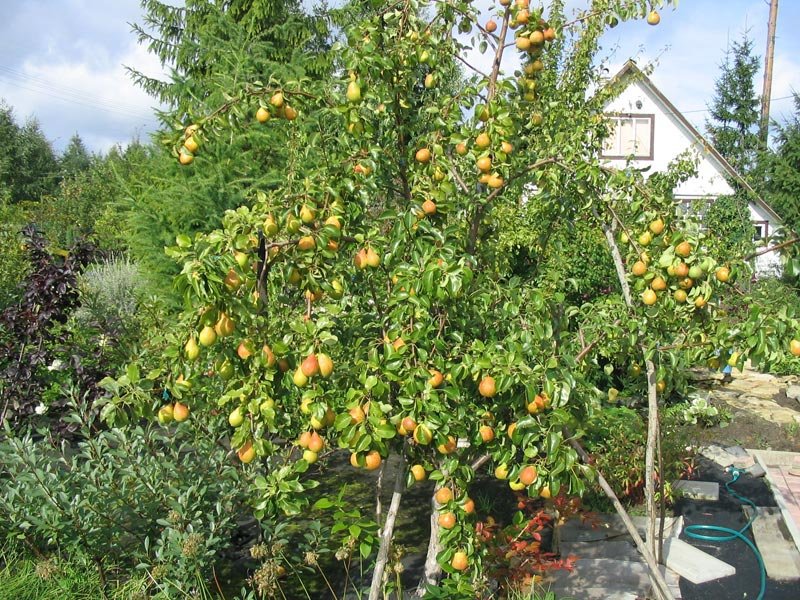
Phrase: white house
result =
(652, 132)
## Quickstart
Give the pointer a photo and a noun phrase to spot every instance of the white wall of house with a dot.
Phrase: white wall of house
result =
(669, 138)
(767, 264)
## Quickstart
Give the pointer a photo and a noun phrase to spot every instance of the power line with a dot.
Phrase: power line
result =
(683, 112)
(72, 98)
(77, 93)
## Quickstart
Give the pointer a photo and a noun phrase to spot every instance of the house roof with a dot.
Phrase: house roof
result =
(632, 70)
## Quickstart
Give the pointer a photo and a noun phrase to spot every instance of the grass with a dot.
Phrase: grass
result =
(26, 578)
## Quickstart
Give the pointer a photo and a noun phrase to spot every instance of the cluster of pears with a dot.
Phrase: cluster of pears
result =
(679, 270)
(526, 476)
(278, 107)
(313, 365)
(177, 412)
(367, 257)
(489, 152)
(531, 30)
(190, 145)
(215, 324)
(312, 444)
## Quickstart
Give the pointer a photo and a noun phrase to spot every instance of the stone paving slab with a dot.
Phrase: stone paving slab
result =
(779, 467)
(698, 490)
(781, 558)
(605, 527)
(694, 564)
(618, 549)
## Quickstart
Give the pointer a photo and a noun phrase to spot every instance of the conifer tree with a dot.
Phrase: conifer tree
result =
(733, 126)
(76, 157)
(783, 171)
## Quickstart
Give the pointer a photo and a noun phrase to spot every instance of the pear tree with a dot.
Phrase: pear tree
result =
(365, 305)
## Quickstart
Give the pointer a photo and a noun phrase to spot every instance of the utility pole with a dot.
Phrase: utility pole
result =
(767, 91)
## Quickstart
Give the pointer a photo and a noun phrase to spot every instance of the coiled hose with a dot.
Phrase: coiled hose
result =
(732, 534)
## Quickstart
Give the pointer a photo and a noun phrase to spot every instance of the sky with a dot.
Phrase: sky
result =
(63, 61)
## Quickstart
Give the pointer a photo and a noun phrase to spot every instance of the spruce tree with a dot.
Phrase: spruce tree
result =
(76, 157)
(733, 126)
(782, 168)
(209, 47)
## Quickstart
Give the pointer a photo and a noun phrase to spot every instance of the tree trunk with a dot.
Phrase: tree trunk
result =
(432, 569)
(652, 414)
(659, 584)
(388, 531)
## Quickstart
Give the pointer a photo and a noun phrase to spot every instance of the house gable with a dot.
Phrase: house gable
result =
(672, 135)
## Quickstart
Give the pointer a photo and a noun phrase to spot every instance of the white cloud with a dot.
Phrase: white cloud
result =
(98, 101)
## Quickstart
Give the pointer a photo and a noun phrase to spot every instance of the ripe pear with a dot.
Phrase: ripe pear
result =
(242, 259)
(310, 366)
(333, 221)
(316, 443)
(325, 364)
(356, 415)
(299, 378)
(246, 453)
(232, 280)
(353, 92)
(245, 349)
(482, 141)
(191, 144)
(487, 387)
(430, 81)
(269, 356)
(290, 113)
(207, 337)
(429, 207)
(293, 224)
(191, 350)
(180, 412)
(185, 157)
(225, 325)
(165, 414)
(306, 242)
(262, 115)
(373, 260)
(236, 417)
(276, 100)
(307, 214)
(436, 378)
(360, 259)
(338, 290)
(270, 226)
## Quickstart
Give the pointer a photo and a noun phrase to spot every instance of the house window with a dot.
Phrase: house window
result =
(630, 135)
(761, 231)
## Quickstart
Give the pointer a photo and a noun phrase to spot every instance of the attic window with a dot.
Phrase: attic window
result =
(631, 135)
(761, 230)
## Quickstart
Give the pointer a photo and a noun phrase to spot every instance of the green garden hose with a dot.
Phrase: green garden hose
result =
(732, 534)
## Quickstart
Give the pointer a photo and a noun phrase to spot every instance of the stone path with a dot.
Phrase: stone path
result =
(754, 392)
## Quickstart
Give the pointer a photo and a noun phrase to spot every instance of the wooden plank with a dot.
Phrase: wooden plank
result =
(694, 564)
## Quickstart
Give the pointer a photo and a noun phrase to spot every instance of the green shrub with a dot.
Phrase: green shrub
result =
(14, 265)
(165, 500)
(617, 438)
